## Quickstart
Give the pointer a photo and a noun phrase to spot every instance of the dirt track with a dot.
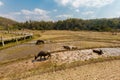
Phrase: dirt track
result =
(97, 71)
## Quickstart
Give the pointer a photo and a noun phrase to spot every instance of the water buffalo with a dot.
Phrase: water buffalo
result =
(43, 54)
(40, 42)
(99, 52)
(69, 47)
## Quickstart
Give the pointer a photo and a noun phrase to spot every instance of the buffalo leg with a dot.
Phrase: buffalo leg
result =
(44, 58)
(40, 57)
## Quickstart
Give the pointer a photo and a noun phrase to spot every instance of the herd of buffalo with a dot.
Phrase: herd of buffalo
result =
(45, 54)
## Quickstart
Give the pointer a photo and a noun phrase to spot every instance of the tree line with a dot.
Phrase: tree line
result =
(73, 24)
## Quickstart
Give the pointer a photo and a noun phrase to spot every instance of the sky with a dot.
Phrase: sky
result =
(53, 10)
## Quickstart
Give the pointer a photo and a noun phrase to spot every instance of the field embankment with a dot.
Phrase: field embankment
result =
(97, 71)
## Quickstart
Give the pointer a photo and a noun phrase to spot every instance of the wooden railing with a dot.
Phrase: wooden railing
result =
(22, 36)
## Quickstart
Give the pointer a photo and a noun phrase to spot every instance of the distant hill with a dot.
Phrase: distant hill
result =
(103, 24)
(5, 23)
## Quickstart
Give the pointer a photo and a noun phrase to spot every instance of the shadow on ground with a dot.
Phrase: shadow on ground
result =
(39, 60)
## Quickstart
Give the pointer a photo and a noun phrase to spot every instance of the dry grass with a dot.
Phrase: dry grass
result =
(6, 35)
(78, 35)
(18, 72)
(98, 71)
(81, 39)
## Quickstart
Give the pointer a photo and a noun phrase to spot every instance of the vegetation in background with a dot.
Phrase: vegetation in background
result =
(73, 24)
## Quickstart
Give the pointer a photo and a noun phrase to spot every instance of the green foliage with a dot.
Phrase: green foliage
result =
(73, 24)
(69, 24)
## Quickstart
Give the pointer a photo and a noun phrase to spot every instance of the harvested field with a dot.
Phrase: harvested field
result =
(26, 68)
(18, 63)
(98, 71)
(30, 49)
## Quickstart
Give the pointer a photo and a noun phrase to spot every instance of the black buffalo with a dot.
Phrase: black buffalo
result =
(99, 52)
(40, 42)
(67, 47)
(43, 54)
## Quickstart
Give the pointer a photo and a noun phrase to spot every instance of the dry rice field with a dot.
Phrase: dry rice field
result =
(97, 71)
(16, 62)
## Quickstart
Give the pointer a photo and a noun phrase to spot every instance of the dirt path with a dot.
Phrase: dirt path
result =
(97, 71)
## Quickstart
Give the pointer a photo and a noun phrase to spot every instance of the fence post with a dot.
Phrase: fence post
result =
(24, 36)
(8, 30)
(2, 41)
(16, 39)
(31, 35)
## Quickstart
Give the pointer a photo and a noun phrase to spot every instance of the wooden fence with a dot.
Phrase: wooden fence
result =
(24, 36)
